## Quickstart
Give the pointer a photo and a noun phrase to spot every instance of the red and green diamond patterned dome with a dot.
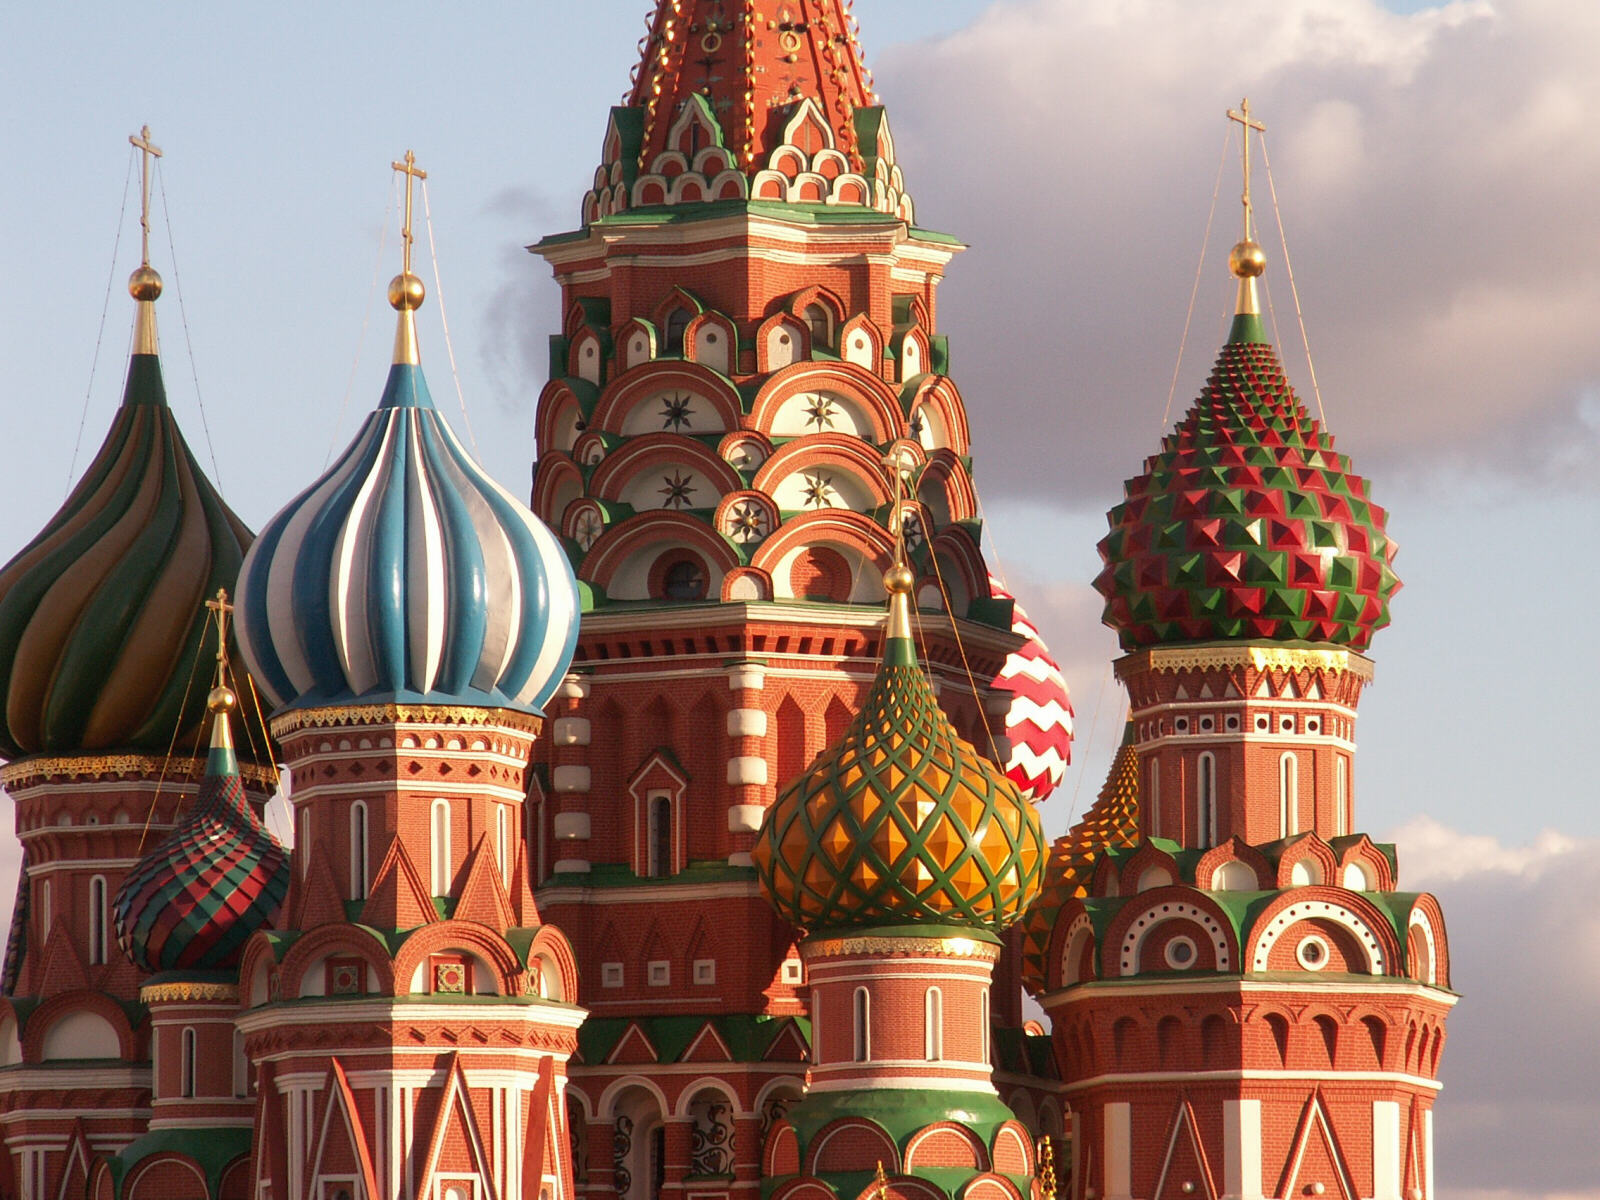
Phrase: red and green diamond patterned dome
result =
(1247, 524)
(902, 822)
(193, 901)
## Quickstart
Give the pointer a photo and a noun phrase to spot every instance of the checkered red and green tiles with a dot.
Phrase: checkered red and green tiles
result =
(192, 902)
(901, 822)
(1247, 525)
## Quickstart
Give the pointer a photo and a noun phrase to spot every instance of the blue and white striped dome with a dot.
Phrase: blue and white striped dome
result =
(407, 575)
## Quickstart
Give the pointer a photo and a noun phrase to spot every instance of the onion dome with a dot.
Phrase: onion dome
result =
(1247, 524)
(191, 903)
(102, 615)
(1039, 719)
(902, 821)
(406, 574)
(1112, 823)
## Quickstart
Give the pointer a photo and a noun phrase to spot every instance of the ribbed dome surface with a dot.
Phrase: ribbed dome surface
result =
(1247, 524)
(218, 877)
(102, 616)
(407, 575)
(901, 822)
(1112, 823)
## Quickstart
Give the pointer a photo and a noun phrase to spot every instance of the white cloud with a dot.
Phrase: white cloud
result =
(1519, 1106)
(1436, 175)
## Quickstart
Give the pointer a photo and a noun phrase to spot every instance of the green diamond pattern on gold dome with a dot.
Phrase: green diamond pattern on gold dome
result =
(1247, 525)
(901, 822)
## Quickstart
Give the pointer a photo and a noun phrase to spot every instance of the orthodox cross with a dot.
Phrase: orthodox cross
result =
(1242, 115)
(411, 171)
(141, 141)
(897, 514)
(222, 608)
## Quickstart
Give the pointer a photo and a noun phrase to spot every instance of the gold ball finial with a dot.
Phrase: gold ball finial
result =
(406, 292)
(1247, 260)
(899, 579)
(144, 284)
(221, 700)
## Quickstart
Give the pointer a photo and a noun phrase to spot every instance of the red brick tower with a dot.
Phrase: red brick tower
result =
(409, 1024)
(1243, 1004)
(750, 339)
(103, 678)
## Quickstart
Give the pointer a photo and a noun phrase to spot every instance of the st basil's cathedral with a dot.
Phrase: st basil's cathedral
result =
(674, 836)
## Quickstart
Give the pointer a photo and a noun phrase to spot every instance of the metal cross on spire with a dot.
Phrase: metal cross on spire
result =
(222, 609)
(1242, 115)
(411, 171)
(141, 141)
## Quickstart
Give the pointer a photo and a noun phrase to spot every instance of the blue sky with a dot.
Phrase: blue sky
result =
(1435, 168)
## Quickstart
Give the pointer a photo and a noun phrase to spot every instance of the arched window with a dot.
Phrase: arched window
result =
(659, 833)
(97, 921)
(1153, 789)
(241, 1067)
(820, 322)
(983, 1022)
(677, 322)
(358, 850)
(440, 849)
(863, 1025)
(1288, 795)
(502, 842)
(1341, 796)
(48, 911)
(302, 839)
(816, 1027)
(187, 1066)
(1206, 801)
(933, 1025)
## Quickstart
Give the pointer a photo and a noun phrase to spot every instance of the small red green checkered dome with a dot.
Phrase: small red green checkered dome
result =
(193, 901)
(902, 822)
(1247, 524)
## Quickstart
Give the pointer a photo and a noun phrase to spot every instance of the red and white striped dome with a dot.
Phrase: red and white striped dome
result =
(1039, 721)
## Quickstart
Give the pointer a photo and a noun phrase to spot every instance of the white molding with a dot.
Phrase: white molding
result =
(1392, 1078)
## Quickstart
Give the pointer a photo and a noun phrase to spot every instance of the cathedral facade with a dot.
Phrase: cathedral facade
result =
(674, 835)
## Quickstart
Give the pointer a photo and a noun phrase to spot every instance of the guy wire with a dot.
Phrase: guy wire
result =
(1294, 291)
(449, 349)
(183, 318)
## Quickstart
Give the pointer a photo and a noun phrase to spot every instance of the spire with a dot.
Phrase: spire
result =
(750, 61)
(406, 292)
(1246, 259)
(144, 284)
(222, 699)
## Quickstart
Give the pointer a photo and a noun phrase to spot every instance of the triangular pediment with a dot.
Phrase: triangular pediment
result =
(788, 1046)
(1185, 1171)
(707, 1047)
(1316, 1157)
(456, 1143)
(341, 1148)
(633, 1048)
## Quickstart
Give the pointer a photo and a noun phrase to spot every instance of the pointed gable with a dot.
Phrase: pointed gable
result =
(707, 1047)
(456, 1145)
(341, 1147)
(1316, 1157)
(633, 1048)
(399, 899)
(61, 968)
(1185, 1170)
(788, 1045)
(316, 900)
(483, 895)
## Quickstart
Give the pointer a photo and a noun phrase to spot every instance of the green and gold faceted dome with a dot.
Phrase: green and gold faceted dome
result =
(902, 822)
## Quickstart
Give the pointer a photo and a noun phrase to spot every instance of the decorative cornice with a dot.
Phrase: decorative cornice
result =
(189, 991)
(66, 768)
(297, 719)
(900, 947)
(1223, 655)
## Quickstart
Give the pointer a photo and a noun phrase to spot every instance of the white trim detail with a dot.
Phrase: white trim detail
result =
(1308, 910)
(1241, 1153)
(1421, 920)
(1173, 910)
(1119, 1151)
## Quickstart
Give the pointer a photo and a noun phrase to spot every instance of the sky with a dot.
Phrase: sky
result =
(1435, 170)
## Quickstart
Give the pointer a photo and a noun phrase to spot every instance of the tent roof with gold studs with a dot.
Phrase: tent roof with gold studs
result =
(902, 822)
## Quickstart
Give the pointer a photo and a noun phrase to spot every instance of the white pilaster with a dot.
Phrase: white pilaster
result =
(1118, 1156)
(1427, 1155)
(1241, 1161)
(1385, 1150)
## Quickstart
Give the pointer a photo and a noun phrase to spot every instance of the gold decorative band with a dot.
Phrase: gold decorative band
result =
(143, 766)
(1246, 654)
(189, 991)
(402, 714)
(906, 947)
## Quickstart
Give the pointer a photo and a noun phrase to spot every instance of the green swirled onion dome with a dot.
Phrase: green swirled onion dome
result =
(1247, 524)
(102, 615)
(902, 822)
